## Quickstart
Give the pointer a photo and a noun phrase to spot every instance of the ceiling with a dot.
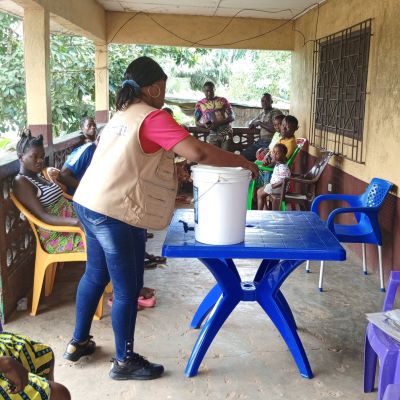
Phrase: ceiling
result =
(281, 9)
(278, 9)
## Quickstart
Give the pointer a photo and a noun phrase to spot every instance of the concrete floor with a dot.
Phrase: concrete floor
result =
(247, 360)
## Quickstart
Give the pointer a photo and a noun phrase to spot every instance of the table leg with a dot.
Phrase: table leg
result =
(206, 306)
(284, 306)
(275, 305)
(209, 301)
(265, 267)
(228, 280)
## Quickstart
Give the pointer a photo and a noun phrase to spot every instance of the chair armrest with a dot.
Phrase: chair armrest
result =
(36, 221)
(55, 228)
(301, 180)
(67, 196)
(350, 199)
(368, 211)
(262, 167)
(295, 175)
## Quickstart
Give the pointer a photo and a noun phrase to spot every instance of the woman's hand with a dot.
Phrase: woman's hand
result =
(78, 223)
(15, 373)
(254, 169)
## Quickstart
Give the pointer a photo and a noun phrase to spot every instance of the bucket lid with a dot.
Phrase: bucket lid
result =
(231, 171)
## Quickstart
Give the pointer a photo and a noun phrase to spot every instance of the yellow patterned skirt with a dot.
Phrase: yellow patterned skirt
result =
(36, 357)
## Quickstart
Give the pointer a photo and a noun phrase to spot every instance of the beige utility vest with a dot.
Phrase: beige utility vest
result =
(125, 183)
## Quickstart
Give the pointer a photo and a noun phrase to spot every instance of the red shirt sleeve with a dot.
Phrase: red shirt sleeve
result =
(160, 130)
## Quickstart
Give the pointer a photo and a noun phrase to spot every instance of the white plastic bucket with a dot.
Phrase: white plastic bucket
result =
(220, 203)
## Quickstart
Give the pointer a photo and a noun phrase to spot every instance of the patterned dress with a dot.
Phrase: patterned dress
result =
(209, 111)
(36, 357)
(51, 198)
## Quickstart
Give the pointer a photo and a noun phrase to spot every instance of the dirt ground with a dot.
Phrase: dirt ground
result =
(247, 360)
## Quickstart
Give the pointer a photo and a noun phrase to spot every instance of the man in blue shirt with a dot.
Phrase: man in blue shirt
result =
(78, 161)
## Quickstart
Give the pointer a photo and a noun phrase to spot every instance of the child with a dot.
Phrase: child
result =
(278, 131)
(281, 171)
(290, 124)
(263, 151)
(26, 370)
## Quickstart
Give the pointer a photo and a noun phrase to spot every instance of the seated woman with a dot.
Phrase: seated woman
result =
(44, 199)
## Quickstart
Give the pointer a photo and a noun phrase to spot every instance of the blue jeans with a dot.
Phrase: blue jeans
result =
(115, 250)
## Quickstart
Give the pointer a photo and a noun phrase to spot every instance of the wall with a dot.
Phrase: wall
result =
(382, 118)
(189, 31)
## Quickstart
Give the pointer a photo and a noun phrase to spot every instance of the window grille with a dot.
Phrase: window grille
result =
(340, 69)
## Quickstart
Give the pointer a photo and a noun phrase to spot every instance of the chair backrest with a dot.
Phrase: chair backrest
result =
(376, 193)
(373, 197)
(33, 221)
(318, 168)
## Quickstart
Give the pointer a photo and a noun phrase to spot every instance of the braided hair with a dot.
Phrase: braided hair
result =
(28, 141)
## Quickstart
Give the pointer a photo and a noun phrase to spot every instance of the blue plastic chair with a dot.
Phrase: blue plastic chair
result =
(380, 345)
(365, 208)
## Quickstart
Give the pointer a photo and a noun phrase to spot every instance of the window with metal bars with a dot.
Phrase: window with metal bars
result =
(340, 69)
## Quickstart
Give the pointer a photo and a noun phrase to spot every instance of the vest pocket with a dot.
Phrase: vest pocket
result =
(150, 205)
(166, 167)
(158, 199)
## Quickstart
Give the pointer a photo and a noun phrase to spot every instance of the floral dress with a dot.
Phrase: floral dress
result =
(51, 198)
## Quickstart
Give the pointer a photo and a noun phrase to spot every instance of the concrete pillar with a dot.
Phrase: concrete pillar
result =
(101, 79)
(37, 72)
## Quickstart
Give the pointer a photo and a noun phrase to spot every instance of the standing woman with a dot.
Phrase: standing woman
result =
(131, 185)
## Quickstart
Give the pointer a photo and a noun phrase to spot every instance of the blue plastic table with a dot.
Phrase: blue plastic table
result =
(282, 240)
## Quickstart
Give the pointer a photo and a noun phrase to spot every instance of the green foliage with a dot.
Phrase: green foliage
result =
(12, 78)
(267, 71)
(72, 81)
(4, 142)
(171, 58)
(240, 75)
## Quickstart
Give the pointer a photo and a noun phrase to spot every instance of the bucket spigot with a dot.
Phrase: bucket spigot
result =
(186, 227)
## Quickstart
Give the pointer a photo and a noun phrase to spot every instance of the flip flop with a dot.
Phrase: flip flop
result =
(156, 259)
(147, 292)
(147, 303)
(142, 302)
(150, 264)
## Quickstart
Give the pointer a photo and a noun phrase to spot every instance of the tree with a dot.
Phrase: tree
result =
(12, 81)
(240, 75)
(72, 81)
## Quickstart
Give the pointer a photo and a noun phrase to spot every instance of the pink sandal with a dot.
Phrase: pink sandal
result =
(142, 302)
(147, 303)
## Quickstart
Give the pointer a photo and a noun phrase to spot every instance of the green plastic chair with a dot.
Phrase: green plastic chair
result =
(300, 143)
